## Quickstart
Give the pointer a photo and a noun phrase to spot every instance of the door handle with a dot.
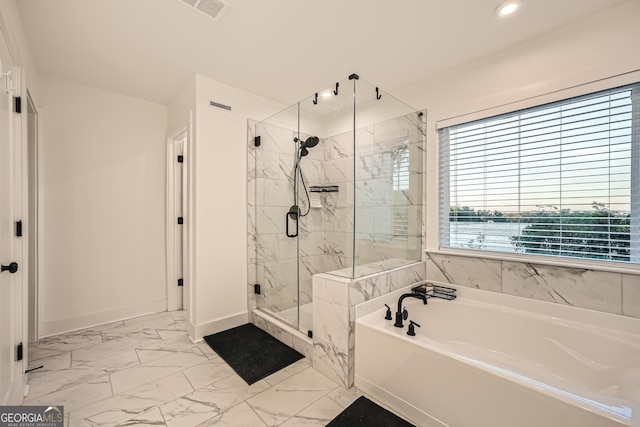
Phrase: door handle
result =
(11, 268)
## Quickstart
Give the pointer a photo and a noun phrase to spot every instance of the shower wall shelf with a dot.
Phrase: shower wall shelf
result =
(323, 189)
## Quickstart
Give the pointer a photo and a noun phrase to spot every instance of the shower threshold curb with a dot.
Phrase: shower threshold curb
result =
(280, 324)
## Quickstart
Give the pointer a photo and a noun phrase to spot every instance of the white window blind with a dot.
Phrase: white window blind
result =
(561, 179)
(400, 226)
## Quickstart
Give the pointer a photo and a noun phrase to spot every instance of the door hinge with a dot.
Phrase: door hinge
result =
(180, 220)
(17, 104)
(180, 282)
(19, 352)
(180, 158)
(256, 289)
(18, 228)
(256, 141)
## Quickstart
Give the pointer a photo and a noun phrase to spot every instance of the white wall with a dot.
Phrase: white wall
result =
(103, 173)
(589, 50)
(219, 299)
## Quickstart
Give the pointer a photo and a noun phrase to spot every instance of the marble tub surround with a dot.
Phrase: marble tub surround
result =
(334, 301)
(145, 371)
(605, 291)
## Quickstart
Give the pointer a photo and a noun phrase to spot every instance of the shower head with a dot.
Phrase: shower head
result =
(311, 142)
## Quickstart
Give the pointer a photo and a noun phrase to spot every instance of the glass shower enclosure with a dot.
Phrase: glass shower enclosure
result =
(335, 186)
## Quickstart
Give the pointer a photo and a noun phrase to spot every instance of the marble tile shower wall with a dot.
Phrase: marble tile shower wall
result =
(272, 256)
(383, 201)
(610, 292)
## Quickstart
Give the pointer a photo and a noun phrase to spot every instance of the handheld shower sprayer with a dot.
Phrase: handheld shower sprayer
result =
(295, 213)
(310, 142)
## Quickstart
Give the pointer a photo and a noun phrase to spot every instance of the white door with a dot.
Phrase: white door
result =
(11, 303)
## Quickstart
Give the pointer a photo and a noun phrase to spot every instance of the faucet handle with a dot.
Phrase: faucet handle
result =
(412, 329)
(405, 313)
(388, 315)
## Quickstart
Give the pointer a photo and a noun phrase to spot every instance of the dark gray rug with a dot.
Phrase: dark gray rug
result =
(364, 412)
(251, 352)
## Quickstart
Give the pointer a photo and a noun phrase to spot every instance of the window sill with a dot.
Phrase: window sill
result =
(613, 267)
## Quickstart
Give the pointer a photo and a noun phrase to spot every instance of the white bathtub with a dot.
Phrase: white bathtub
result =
(494, 360)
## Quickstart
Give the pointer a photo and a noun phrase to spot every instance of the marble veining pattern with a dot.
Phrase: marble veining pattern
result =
(327, 233)
(610, 292)
(146, 372)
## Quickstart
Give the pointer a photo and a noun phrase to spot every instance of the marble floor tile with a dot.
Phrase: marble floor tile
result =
(240, 415)
(317, 414)
(109, 364)
(132, 404)
(109, 348)
(161, 349)
(135, 376)
(287, 372)
(75, 396)
(149, 418)
(55, 362)
(208, 351)
(56, 381)
(208, 372)
(147, 372)
(169, 334)
(36, 352)
(276, 405)
(70, 341)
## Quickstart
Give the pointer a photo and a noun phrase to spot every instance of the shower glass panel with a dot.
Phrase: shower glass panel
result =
(338, 190)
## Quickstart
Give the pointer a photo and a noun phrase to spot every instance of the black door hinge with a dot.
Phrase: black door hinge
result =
(17, 104)
(256, 289)
(256, 141)
(18, 228)
(180, 282)
(310, 333)
(19, 352)
(180, 158)
(180, 220)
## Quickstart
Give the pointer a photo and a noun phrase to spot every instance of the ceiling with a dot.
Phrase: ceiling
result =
(283, 50)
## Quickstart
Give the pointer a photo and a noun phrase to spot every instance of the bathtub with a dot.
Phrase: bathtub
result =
(488, 359)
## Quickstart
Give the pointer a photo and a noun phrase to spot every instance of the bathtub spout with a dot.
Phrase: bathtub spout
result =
(402, 314)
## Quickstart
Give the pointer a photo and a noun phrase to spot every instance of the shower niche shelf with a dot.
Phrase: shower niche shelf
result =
(323, 189)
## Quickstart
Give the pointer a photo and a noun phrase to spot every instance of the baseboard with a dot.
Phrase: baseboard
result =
(196, 332)
(69, 324)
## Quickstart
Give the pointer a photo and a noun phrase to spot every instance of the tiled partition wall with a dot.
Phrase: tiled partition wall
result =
(334, 301)
(617, 293)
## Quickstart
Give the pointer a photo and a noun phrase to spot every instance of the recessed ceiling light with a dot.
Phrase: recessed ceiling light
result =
(507, 8)
(326, 94)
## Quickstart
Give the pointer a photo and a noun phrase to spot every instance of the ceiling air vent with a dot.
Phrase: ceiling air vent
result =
(212, 8)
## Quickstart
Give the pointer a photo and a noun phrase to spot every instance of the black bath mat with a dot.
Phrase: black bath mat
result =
(251, 352)
(364, 412)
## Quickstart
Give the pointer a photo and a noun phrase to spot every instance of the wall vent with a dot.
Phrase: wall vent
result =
(211, 8)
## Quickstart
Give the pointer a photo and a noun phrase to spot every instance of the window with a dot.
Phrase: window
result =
(400, 226)
(560, 179)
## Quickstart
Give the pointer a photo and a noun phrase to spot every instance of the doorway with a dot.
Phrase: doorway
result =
(176, 216)
(32, 220)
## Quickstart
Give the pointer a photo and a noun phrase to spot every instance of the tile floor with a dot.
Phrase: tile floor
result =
(145, 371)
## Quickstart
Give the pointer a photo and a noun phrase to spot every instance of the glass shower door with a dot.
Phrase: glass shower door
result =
(276, 227)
